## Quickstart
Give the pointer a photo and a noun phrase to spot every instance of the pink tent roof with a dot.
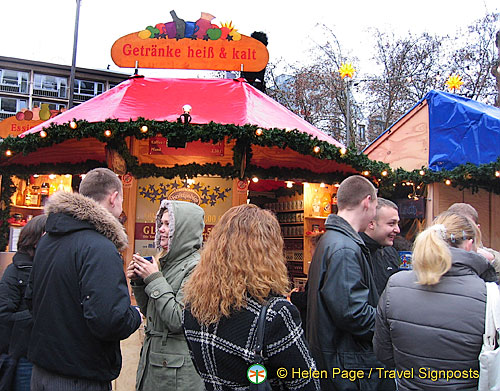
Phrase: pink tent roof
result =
(223, 101)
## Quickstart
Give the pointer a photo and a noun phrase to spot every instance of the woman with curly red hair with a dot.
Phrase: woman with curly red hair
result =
(242, 267)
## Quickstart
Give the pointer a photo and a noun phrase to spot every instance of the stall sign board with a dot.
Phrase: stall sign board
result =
(159, 146)
(411, 209)
(180, 44)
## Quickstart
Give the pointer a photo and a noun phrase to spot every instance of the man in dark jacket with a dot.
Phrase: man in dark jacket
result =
(379, 238)
(80, 300)
(342, 296)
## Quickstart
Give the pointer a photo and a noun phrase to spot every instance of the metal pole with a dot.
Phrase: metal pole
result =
(348, 114)
(73, 63)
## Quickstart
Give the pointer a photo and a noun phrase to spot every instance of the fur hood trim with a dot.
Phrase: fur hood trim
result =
(86, 209)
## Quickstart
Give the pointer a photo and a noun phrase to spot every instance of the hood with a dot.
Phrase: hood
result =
(463, 261)
(70, 212)
(22, 260)
(186, 224)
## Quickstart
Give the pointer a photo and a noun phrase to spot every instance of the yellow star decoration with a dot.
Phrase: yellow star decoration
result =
(454, 82)
(346, 70)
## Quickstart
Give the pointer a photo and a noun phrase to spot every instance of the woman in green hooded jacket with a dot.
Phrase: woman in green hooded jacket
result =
(165, 362)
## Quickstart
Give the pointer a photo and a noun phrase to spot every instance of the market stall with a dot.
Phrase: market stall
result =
(452, 144)
(192, 139)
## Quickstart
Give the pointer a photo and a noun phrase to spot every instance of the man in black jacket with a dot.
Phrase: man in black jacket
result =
(379, 238)
(342, 296)
(80, 300)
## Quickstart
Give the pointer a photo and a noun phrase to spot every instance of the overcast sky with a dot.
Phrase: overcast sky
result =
(43, 30)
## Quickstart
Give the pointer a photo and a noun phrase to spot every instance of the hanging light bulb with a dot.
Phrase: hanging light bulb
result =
(255, 179)
(73, 125)
(144, 129)
(343, 151)
(316, 149)
(447, 182)
(422, 172)
(259, 132)
(497, 174)
(322, 184)
(289, 184)
(107, 133)
(366, 173)
(384, 173)
(43, 134)
(8, 152)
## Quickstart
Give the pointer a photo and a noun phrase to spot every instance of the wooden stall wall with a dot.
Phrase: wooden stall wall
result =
(406, 144)
(487, 204)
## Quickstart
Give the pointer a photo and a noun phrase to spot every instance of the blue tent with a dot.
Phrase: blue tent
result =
(461, 130)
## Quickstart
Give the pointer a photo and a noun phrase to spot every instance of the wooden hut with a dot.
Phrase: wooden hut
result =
(440, 133)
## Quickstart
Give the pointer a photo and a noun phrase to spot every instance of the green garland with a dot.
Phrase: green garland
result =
(113, 133)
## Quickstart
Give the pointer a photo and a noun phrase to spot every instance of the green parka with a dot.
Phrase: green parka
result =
(165, 362)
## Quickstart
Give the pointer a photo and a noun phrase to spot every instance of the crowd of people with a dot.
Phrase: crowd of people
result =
(221, 315)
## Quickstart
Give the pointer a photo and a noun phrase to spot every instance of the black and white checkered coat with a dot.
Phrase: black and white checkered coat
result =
(223, 351)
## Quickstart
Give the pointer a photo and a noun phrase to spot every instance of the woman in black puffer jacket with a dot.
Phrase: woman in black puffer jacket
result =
(430, 321)
(14, 314)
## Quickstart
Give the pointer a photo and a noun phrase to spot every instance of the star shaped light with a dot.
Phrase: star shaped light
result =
(454, 82)
(346, 70)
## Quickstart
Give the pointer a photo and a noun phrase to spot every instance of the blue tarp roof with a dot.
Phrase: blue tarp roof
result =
(461, 130)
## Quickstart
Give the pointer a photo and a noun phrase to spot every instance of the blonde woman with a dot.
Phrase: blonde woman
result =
(165, 362)
(431, 319)
(242, 267)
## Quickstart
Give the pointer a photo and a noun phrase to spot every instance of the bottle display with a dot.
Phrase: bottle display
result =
(316, 204)
(20, 195)
(27, 196)
(44, 193)
(35, 195)
(326, 205)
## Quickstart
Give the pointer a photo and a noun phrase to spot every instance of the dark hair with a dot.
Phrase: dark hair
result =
(382, 202)
(99, 183)
(31, 234)
(353, 190)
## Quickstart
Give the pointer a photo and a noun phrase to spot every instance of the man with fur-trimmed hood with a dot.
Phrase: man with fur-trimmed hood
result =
(80, 300)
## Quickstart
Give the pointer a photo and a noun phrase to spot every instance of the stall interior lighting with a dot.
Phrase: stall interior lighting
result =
(255, 179)
(289, 184)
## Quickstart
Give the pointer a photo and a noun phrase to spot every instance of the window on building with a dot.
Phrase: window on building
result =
(52, 106)
(13, 81)
(90, 88)
(362, 132)
(12, 105)
(47, 85)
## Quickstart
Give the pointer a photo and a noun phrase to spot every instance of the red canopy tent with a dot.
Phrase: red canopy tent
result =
(222, 101)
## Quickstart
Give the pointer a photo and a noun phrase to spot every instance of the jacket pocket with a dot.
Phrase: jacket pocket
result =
(360, 360)
(164, 370)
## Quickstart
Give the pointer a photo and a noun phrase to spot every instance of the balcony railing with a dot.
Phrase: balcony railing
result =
(61, 93)
(20, 88)
(4, 115)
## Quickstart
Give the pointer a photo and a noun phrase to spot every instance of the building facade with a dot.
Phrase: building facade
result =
(25, 84)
